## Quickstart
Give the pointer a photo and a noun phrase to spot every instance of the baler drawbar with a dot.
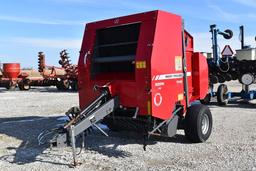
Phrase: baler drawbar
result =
(79, 122)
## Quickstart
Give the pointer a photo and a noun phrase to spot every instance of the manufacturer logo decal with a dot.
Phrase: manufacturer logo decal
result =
(158, 99)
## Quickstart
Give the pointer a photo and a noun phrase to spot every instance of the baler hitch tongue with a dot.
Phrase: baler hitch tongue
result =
(90, 116)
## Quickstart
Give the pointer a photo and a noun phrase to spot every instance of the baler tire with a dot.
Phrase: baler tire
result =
(222, 95)
(207, 99)
(195, 130)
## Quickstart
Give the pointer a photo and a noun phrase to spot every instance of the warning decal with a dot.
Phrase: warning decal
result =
(141, 64)
(178, 63)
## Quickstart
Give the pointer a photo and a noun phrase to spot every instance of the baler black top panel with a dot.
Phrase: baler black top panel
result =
(119, 34)
(115, 49)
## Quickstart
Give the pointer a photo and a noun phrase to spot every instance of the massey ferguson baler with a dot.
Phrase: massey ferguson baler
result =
(140, 73)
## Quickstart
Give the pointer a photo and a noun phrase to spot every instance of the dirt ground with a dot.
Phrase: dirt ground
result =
(23, 115)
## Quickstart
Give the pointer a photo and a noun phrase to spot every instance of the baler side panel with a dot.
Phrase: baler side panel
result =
(200, 76)
(85, 96)
(189, 59)
(166, 63)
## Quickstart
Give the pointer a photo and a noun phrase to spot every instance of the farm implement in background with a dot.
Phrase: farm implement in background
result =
(64, 77)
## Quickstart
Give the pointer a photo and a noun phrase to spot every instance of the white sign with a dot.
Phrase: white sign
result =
(227, 51)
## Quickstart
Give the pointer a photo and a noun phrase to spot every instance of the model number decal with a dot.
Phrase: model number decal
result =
(159, 84)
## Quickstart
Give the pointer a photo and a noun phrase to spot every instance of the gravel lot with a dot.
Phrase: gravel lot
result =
(23, 115)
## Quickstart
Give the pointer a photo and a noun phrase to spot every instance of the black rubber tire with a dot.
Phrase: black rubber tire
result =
(228, 77)
(74, 85)
(193, 123)
(63, 85)
(207, 99)
(21, 87)
(221, 79)
(222, 95)
(10, 87)
(24, 86)
(59, 86)
(214, 79)
(234, 75)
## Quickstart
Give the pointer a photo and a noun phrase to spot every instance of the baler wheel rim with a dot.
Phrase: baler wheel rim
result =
(205, 123)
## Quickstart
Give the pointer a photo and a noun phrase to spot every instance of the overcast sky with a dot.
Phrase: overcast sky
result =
(29, 26)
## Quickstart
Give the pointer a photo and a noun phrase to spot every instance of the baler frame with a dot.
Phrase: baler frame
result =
(113, 103)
